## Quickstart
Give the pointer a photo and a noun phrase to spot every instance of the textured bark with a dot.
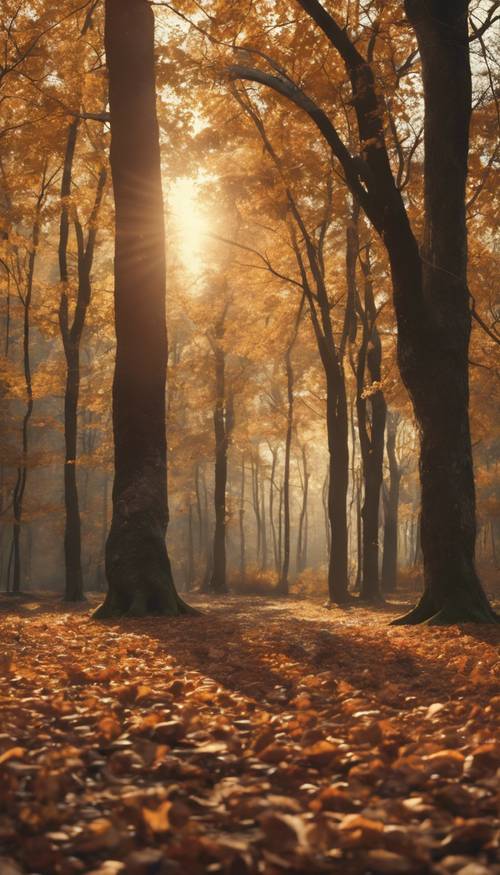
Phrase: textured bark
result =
(435, 367)
(137, 563)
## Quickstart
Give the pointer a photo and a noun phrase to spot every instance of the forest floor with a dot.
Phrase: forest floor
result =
(262, 736)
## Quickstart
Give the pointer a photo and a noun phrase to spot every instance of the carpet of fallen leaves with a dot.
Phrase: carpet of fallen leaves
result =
(260, 737)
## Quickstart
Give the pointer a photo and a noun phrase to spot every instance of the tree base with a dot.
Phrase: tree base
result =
(346, 601)
(170, 604)
(470, 608)
(74, 599)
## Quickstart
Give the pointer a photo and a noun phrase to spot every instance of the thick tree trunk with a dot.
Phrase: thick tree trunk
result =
(435, 367)
(137, 563)
(391, 504)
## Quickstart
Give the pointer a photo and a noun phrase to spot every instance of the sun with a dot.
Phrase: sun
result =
(189, 222)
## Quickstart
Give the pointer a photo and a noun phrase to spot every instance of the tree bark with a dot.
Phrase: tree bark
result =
(137, 563)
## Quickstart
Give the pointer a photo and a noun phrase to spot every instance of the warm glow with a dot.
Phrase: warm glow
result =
(189, 222)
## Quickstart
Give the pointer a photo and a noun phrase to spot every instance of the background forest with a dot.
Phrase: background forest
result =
(274, 279)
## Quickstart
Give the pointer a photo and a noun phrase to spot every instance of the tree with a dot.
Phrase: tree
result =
(137, 563)
(430, 290)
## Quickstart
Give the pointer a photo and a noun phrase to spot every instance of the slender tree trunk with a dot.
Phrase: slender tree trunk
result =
(190, 550)
(391, 503)
(137, 563)
(302, 535)
(22, 471)
(280, 528)
(283, 585)
(222, 430)
(71, 333)
(200, 540)
(242, 519)
(337, 429)
(371, 432)
(324, 496)
(72, 537)
(272, 487)
(256, 504)
(359, 535)
(263, 520)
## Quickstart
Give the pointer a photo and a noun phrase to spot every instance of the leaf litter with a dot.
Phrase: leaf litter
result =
(260, 737)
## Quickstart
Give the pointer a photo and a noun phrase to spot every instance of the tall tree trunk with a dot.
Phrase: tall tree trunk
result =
(302, 535)
(371, 411)
(391, 503)
(256, 504)
(272, 487)
(137, 563)
(359, 535)
(324, 498)
(190, 550)
(434, 359)
(283, 587)
(263, 520)
(71, 333)
(242, 519)
(22, 471)
(222, 428)
(337, 430)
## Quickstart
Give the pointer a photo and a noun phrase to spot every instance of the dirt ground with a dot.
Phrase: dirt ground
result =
(262, 736)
